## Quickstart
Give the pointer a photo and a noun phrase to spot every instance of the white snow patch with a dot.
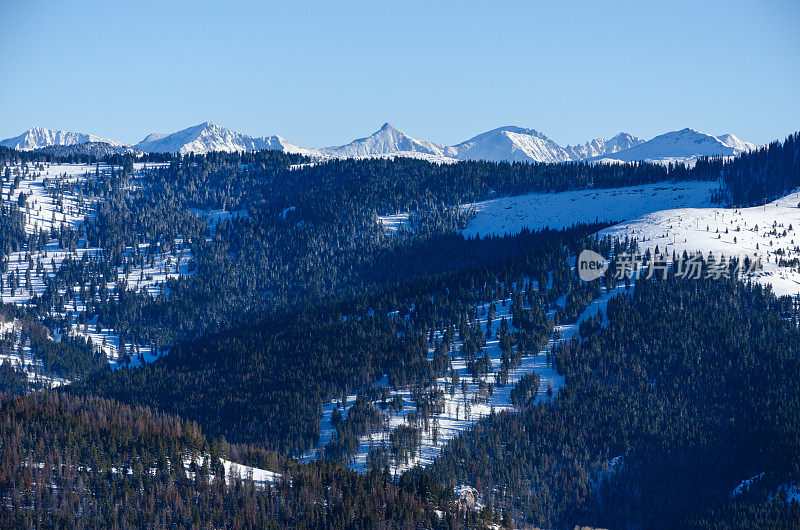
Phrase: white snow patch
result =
(393, 222)
(510, 215)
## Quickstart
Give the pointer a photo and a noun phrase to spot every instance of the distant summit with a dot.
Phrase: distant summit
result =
(38, 137)
(681, 146)
(387, 140)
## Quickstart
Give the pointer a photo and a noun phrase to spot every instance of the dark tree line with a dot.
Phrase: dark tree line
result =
(759, 176)
(88, 463)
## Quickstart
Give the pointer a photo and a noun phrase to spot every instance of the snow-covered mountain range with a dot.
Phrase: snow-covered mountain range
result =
(510, 143)
(516, 144)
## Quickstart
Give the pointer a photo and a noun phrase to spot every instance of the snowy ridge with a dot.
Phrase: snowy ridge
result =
(600, 146)
(516, 144)
(207, 137)
(534, 211)
(38, 137)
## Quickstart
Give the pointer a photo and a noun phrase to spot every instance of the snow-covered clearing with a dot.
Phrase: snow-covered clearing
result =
(260, 477)
(768, 233)
(395, 221)
(510, 215)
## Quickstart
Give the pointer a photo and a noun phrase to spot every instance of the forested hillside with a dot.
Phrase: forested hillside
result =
(689, 390)
(89, 463)
(265, 382)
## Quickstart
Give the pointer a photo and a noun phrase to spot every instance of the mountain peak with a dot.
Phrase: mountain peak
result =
(519, 130)
(512, 144)
(152, 137)
(622, 135)
(206, 126)
(731, 140)
(386, 141)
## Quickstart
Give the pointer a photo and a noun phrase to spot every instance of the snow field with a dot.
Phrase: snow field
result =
(510, 215)
(393, 223)
(767, 233)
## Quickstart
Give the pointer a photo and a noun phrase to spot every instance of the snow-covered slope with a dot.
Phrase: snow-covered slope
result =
(731, 140)
(55, 196)
(767, 233)
(509, 215)
(461, 410)
(511, 144)
(685, 145)
(38, 137)
(207, 137)
(388, 140)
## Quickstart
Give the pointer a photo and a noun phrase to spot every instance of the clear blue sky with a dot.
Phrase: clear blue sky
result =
(324, 73)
